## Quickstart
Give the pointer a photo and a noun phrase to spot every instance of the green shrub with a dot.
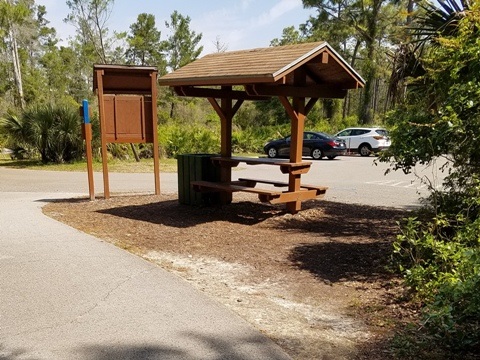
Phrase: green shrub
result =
(439, 255)
(53, 131)
(439, 251)
(119, 151)
(176, 139)
(454, 315)
(252, 139)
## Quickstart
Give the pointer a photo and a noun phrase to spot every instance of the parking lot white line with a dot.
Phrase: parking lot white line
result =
(395, 183)
(381, 182)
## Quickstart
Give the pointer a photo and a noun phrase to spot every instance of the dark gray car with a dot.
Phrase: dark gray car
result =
(315, 144)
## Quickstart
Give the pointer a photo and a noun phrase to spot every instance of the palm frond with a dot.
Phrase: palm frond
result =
(13, 127)
(433, 20)
(436, 21)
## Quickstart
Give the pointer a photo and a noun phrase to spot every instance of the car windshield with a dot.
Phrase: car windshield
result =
(312, 136)
(324, 136)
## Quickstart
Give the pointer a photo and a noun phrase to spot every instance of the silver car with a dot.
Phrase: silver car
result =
(365, 141)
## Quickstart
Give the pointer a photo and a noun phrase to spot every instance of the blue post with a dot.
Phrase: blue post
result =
(87, 134)
(86, 114)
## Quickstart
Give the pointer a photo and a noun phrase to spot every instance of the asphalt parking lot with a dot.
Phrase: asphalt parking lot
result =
(359, 180)
(351, 179)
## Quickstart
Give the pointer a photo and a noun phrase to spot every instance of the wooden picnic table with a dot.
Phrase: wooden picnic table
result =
(305, 192)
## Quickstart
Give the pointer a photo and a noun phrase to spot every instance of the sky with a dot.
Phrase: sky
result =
(238, 24)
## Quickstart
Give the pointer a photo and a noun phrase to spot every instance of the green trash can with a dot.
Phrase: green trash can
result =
(196, 167)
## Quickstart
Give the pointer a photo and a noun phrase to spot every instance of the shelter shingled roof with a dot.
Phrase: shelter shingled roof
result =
(272, 65)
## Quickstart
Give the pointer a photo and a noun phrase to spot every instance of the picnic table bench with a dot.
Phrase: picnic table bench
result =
(305, 192)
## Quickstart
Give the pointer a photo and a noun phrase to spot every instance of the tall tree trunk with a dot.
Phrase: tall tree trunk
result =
(17, 70)
(328, 108)
(366, 113)
(410, 7)
(100, 29)
(135, 152)
(346, 102)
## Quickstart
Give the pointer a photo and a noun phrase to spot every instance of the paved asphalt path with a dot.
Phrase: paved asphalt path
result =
(68, 295)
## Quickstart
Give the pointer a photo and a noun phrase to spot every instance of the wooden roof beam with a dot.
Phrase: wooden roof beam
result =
(312, 75)
(311, 91)
(218, 109)
(215, 93)
(310, 105)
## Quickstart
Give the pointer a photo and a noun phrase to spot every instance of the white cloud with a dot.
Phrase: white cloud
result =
(246, 24)
(277, 11)
(227, 23)
(246, 4)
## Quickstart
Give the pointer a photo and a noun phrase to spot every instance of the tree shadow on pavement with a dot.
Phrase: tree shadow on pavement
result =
(207, 347)
(188, 346)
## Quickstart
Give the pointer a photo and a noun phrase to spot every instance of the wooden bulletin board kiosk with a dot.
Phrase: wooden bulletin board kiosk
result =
(298, 75)
(128, 110)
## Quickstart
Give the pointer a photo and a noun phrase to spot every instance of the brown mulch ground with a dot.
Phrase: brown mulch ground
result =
(315, 282)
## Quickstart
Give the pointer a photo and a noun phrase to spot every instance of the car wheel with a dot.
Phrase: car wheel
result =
(331, 157)
(272, 152)
(364, 150)
(317, 154)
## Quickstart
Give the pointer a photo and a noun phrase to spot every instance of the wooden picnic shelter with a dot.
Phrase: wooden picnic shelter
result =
(298, 75)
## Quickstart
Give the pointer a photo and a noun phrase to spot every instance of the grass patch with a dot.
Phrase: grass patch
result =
(114, 165)
(122, 166)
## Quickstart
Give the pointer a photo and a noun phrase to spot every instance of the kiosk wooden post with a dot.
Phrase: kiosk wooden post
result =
(87, 136)
(127, 102)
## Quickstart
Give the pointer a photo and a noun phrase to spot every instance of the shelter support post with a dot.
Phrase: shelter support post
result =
(296, 111)
(226, 111)
(297, 116)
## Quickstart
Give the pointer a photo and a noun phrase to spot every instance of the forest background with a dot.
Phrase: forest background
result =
(40, 74)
